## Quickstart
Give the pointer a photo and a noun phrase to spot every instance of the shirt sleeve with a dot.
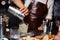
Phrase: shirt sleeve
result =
(50, 9)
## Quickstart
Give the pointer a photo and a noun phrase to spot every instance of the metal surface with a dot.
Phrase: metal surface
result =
(16, 12)
(1, 32)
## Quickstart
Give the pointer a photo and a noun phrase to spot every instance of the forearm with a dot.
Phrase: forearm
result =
(50, 9)
(19, 3)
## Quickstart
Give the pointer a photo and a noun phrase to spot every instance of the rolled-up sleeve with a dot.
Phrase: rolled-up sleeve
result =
(50, 9)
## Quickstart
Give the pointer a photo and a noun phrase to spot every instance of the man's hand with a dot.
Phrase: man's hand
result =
(48, 19)
(40, 27)
(24, 10)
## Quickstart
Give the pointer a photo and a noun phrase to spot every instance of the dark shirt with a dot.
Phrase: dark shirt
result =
(57, 8)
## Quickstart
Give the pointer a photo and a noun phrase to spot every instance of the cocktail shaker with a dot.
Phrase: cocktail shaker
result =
(16, 12)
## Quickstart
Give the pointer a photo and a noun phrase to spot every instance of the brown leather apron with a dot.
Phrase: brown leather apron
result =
(37, 12)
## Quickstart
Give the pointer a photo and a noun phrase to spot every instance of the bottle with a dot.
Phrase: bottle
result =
(44, 26)
(1, 28)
